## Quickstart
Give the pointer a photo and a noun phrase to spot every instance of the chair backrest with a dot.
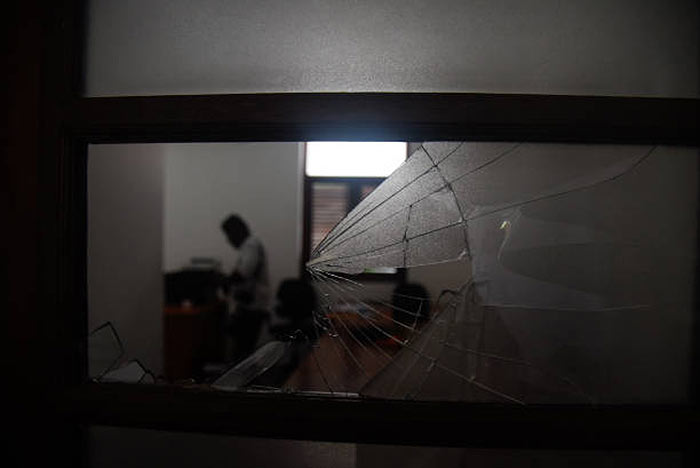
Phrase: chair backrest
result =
(296, 299)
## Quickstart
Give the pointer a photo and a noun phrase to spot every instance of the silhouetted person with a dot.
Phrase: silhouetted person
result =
(248, 285)
(296, 301)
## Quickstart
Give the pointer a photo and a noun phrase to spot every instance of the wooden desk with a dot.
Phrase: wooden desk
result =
(193, 335)
(349, 360)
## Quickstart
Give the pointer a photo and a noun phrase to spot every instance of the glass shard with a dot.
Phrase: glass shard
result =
(105, 350)
(562, 255)
(251, 367)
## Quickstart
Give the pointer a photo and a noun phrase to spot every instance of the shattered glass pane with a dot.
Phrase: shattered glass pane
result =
(527, 273)
(574, 251)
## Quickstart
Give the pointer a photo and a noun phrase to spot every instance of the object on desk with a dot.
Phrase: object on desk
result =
(252, 367)
(195, 284)
(205, 263)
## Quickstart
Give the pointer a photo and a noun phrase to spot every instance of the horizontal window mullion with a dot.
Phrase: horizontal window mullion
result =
(383, 117)
(384, 421)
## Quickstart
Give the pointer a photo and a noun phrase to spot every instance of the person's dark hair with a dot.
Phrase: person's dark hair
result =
(234, 225)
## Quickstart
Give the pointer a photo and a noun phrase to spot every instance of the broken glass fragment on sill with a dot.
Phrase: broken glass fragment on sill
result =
(252, 367)
(105, 350)
(106, 361)
(131, 372)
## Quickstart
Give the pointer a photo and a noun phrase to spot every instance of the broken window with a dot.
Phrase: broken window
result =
(579, 281)
(534, 273)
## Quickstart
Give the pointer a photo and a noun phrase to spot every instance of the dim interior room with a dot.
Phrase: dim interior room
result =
(153, 208)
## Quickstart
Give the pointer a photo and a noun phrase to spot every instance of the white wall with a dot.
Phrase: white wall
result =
(205, 182)
(607, 47)
(125, 209)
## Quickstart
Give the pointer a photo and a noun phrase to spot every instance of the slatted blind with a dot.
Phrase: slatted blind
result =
(330, 202)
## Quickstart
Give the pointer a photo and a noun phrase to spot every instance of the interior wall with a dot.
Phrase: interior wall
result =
(125, 210)
(592, 47)
(205, 182)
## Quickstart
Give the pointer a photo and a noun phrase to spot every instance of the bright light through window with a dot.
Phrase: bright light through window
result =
(353, 158)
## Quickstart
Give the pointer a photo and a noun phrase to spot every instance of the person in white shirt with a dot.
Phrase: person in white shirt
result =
(248, 287)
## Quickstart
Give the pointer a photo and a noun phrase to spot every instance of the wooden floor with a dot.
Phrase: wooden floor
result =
(347, 360)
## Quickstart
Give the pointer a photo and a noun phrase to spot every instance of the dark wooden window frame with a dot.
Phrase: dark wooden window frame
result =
(71, 122)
